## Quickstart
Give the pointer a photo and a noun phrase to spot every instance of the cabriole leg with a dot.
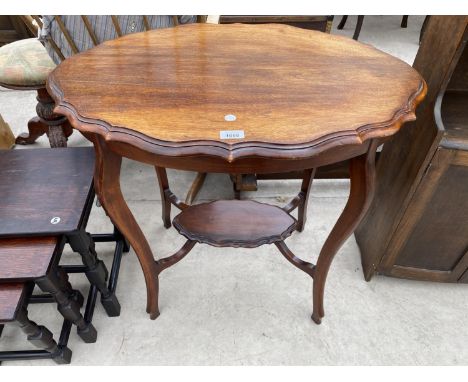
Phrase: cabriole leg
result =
(56, 126)
(362, 176)
(107, 183)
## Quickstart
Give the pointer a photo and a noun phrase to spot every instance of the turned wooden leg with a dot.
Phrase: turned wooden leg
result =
(96, 270)
(47, 122)
(305, 191)
(362, 174)
(195, 188)
(107, 183)
(56, 283)
(42, 338)
(165, 201)
(342, 22)
(357, 31)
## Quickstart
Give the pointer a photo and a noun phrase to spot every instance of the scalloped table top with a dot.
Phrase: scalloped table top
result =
(286, 87)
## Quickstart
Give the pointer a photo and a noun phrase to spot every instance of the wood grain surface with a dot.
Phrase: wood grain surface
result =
(11, 296)
(409, 161)
(26, 258)
(235, 223)
(288, 88)
(39, 185)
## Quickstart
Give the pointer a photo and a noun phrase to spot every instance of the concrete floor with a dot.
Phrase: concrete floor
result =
(251, 307)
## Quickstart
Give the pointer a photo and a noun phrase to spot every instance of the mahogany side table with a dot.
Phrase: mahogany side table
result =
(235, 99)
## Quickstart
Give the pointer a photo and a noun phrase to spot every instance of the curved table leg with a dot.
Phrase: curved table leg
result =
(107, 184)
(362, 174)
(36, 128)
(165, 202)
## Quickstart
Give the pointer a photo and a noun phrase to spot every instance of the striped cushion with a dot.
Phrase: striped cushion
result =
(24, 63)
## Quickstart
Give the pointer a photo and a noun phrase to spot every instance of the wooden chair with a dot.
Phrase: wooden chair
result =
(68, 46)
(34, 232)
(25, 65)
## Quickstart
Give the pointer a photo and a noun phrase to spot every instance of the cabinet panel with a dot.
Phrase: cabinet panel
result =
(439, 239)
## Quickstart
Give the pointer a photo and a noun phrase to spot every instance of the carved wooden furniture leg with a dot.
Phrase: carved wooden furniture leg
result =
(107, 183)
(96, 270)
(362, 174)
(56, 137)
(14, 299)
(36, 128)
(165, 202)
(56, 283)
(42, 338)
(47, 122)
(195, 187)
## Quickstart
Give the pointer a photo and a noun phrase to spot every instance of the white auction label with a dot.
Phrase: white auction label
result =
(231, 134)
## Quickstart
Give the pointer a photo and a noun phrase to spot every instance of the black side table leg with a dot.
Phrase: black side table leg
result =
(68, 307)
(96, 270)
(118, 236)
(42, 338)
(357, 31)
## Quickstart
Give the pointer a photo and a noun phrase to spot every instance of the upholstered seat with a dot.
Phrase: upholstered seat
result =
(24, 63)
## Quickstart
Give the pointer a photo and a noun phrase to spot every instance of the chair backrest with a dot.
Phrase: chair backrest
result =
(64, 36)
(33, 23)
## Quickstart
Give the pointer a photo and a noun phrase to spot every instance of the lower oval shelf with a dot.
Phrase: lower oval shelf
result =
(235, 223)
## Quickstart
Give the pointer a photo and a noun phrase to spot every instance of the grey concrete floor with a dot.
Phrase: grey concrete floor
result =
(251, 307)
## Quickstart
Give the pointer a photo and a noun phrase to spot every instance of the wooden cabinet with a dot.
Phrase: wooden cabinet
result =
(417, 226)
